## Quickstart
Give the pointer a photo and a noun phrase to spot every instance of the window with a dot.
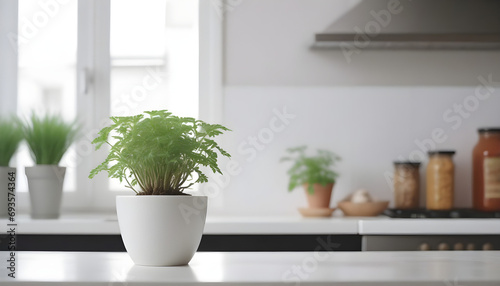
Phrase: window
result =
(47, 45)
(153, 58)
(98, 58)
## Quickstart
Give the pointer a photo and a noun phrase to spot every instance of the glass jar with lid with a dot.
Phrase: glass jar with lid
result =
(440, 180)
(406, 184)
(486, 170)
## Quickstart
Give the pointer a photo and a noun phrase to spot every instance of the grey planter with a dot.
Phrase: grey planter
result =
(45, 183)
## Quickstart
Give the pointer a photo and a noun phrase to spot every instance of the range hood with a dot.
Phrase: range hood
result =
(416, 24)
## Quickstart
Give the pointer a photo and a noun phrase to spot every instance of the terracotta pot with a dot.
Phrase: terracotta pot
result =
(321, 196)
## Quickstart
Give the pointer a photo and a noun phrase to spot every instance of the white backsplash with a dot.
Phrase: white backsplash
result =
(369, 127)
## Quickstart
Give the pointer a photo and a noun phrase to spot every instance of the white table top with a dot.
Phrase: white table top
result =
(264, 268)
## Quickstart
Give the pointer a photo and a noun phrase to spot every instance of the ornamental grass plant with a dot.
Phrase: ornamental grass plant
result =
(159, 152)
(49, 137)
(317, 169)
(11, 134)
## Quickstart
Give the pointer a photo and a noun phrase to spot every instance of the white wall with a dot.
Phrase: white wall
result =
(369, 127)
(268, 43)
(370, 111)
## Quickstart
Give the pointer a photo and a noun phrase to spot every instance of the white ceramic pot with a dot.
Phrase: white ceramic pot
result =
(45, 184)
(4, 189)
(161, 230)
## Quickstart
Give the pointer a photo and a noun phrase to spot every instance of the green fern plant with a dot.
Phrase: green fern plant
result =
(11, 134)
(310, 169)
(49, 137)
(159, 152)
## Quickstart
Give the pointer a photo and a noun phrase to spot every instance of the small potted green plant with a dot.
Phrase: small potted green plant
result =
(315, 173)
(156, 154)
(48, 138)
(11, 135)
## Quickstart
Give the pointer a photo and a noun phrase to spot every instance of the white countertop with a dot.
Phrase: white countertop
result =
(429, 226)
(261, 268)
(281, 225)
(107, 224)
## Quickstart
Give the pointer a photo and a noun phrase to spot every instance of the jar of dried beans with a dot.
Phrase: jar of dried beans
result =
(406, 184)
(440, 180)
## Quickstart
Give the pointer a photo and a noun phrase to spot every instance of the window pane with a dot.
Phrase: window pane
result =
(47, 40)
(154, 53)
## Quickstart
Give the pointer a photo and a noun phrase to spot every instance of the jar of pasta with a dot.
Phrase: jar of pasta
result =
(486, 170)
(406, 184)
(440, 180)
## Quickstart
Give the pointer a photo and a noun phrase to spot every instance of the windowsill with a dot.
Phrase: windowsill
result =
(73, 223)
(107, 224)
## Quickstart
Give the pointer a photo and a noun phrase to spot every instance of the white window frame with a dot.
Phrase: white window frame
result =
(8, 56)
(211, 23)
(211, 19)
(93, 89)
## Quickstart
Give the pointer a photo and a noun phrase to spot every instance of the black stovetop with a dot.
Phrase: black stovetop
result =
(454, 213)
